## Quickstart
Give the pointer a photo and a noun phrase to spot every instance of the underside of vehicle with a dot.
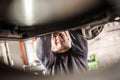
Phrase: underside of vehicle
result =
(23, 20)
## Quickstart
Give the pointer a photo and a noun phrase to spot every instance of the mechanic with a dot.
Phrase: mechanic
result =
(63, 52)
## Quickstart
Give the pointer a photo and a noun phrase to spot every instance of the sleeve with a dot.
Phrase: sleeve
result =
(79, 43)
(43, 49)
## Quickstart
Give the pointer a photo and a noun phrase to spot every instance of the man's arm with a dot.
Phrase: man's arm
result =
(43, 49)
(79, 43)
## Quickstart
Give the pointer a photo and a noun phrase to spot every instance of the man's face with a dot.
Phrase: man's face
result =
(60, 42)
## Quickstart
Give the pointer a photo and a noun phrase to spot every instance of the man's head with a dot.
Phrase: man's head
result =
(60, 42)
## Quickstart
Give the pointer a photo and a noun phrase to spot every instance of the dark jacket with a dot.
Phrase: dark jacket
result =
(72, 61)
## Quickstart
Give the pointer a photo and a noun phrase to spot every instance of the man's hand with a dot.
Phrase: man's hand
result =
(60, 42)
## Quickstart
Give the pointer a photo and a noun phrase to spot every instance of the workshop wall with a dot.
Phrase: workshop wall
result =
(107, 45)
